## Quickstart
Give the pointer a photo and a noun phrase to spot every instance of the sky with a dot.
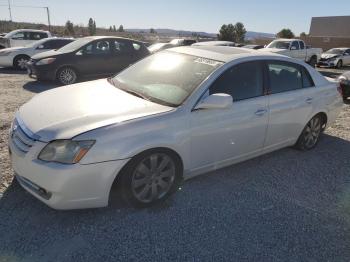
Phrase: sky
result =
(268, 16)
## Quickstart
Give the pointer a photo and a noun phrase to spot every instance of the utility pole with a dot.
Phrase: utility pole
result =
(48, 17)
(10, 10)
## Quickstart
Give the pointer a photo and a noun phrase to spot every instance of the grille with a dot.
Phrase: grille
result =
(20, 139)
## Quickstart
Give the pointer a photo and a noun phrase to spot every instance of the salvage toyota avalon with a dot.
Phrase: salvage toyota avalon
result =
(171, 116)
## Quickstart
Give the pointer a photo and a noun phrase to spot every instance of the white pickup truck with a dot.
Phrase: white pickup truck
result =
(295, 48)
(22, 37)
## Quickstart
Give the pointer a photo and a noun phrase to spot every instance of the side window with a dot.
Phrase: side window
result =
(295, 45)
(302, 46)
(55, 44)
(284, 77)
(347, 51)
(242, 81)
(18, 36)
(121, 47)
(35, 36)
(307, 79)
(99, 47)
(136, 46)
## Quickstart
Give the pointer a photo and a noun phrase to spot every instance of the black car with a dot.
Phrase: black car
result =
(344, 81)
(88, 56)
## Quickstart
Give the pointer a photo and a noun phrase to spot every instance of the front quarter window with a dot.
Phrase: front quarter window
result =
(166, 78)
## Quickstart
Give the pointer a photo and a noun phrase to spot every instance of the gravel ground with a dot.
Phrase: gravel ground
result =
(284, 206)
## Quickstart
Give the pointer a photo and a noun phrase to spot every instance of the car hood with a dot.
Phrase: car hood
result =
(274, 50)
(14, 49)
(65, 112)
(328, 56)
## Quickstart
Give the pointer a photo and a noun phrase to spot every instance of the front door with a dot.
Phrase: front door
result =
(94, 58)
(221, 136)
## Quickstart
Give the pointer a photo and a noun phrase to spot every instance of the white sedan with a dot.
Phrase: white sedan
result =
(18, 56)
(171, 116)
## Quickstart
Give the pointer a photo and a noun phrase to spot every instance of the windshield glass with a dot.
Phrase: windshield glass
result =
(75, 45)
(166, 78)
(335, 51)
(279, 44)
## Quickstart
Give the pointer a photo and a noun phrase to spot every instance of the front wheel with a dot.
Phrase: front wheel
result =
(310, 135)
(339, 64)
(20, 62)
(150, 177)
(66, 76)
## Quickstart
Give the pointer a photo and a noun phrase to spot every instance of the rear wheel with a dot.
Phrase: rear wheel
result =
(20, 62)
(66, 76)
(311, 134)
(150, 177)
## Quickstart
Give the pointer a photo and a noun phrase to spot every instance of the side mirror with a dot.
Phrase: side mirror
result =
(293, 48)
(215, 101)
(80, 52)
(40, 47)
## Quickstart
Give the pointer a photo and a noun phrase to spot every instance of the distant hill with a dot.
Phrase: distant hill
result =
(183, 33)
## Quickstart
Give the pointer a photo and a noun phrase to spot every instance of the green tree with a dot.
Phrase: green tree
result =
(114, 28)
(94, 30)
(240, 32)
(285, 33)
(303, 34)
(69, 28)
(227, 33)
(110, 29)
(91, 26)
(152, 31)
(121, 28)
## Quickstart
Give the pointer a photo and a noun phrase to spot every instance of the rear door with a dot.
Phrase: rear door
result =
(290, 100)
(346, 57)
(94, 58)
(124, 54)
(296, 52)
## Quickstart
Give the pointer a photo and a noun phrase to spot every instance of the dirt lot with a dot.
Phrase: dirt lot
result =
(285, 206)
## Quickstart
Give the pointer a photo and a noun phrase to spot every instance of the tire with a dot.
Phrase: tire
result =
(313, 61)
(339, 64)
(20, 62)
(150, 177)
(66, 76)
(311, 134)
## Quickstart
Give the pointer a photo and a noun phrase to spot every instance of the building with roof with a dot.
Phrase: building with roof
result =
(329, 32)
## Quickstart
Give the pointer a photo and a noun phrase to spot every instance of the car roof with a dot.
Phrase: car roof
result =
(110, 37)
(212, 43)
(28, 30)
(222, 53)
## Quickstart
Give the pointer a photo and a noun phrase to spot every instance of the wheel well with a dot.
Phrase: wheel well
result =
(17, 56)
(163, 149)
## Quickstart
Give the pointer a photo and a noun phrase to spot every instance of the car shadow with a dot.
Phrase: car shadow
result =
(38, 87)
(333, 72)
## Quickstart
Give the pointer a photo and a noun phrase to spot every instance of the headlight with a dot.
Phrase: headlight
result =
(65, 151)
(5, 53)
(46, 61)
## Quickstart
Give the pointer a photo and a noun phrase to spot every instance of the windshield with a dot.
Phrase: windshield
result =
(335, 51)
(166, 78)
(279, 44)
(75, 45)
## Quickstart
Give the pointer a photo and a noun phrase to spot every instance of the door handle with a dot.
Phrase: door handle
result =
(260, 112)
(309, 100)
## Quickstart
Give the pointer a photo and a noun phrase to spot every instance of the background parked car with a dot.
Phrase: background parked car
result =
(295, 48)
(19, 56)
(344, 81)
(22, 37)
(182, 42)
(256, 47)
(214, 43)
(88, 56)
(335, 57)
(159, 47)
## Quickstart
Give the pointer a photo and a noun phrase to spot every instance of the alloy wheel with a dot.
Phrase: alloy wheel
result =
(312, 132)
(153, 177)
(67, 76)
